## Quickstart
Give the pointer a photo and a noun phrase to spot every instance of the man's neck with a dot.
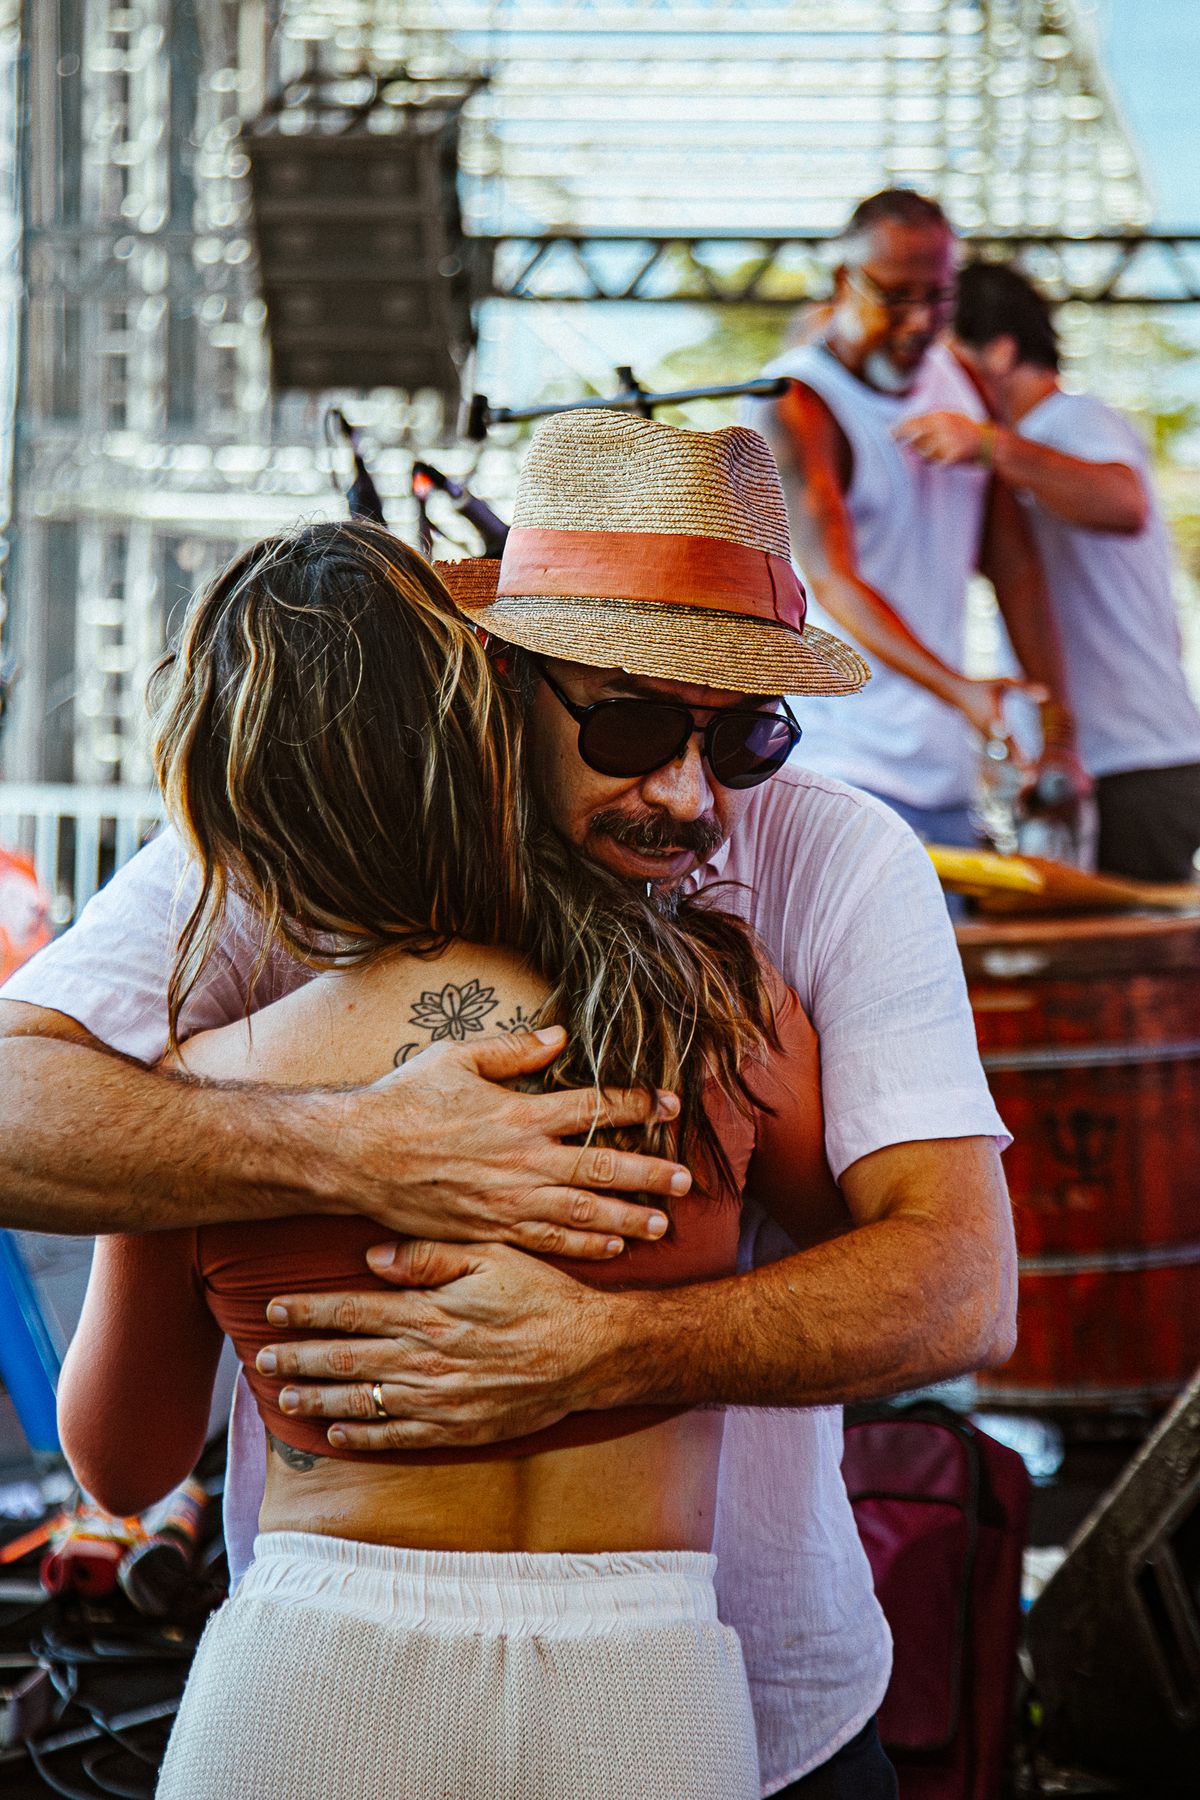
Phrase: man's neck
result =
(1026, 388)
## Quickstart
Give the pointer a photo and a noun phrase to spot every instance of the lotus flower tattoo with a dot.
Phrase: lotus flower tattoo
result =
(455, 1011)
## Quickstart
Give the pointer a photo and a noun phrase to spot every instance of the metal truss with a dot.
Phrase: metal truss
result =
(1137, 268)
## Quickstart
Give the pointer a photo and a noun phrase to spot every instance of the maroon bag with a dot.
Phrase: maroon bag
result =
(942, 1511)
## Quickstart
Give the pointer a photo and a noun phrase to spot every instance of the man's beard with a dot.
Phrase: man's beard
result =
(654, 834)
(883, 374)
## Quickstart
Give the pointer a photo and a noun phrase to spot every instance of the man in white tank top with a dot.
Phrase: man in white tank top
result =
(1081, 472)
(887, 543)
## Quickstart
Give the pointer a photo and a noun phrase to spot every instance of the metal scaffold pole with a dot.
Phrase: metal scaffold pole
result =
(707, 156)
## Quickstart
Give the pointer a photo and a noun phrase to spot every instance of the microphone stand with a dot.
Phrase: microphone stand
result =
(630, 396)
(477, 512)
(362, 496)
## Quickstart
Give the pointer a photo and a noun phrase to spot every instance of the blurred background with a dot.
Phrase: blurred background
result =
(219, 217)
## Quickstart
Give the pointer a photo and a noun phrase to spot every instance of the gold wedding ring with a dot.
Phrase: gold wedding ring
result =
(381, 1411)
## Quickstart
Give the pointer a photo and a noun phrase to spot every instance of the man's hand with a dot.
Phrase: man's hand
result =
(441, 1149)
(982, 700)
(1094, 496)
(485, 1344)
(946, 437)
(437, 1149)
(1057, 783)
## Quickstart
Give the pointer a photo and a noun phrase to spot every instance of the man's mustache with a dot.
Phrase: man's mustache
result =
(654, 834)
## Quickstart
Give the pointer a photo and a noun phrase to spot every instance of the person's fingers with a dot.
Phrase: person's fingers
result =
(628, 1173)
(355, 1315)
(557, 1240)
(513, 1053)
(404, 1402)
(592, 1212)
(598, 1166)
(361, 1360)
(421, 1262)
(327, 1401)
(402, 1434)
(1032, 690)
(574, 1110)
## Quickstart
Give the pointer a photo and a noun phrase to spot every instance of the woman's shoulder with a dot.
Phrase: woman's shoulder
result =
(469, 991)
(786, 1005)
(354, 1024)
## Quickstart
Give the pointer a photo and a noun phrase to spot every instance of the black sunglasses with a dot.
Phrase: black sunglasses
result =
(635, 737)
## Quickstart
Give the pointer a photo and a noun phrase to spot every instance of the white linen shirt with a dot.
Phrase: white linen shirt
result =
(849, 907)
(1114, 601)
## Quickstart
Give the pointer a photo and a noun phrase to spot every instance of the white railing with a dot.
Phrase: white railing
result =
(77, 836)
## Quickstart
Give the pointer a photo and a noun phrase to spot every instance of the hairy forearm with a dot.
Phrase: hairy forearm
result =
(1095, 496)
(860, 610)
(804, 442)
(92, 1142)
(886, 1308)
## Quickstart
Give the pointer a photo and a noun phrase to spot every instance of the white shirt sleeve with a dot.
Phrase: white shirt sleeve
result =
(850, 907)
(110, 971)
(1080, 425)
(899, 1056)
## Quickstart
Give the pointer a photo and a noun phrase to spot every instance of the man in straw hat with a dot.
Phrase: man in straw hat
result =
(648, 609)
(652, 618)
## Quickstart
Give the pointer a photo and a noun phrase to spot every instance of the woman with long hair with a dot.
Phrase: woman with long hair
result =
(532, 1618)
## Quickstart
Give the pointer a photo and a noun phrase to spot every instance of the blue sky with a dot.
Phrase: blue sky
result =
(1151, 51)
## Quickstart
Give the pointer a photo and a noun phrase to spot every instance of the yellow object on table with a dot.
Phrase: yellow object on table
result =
(982, 872)
(1031, 884)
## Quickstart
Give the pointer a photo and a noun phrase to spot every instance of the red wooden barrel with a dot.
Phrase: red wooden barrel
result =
(1090, 1035)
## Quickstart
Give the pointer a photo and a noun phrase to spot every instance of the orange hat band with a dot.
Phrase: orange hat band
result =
(668, 567)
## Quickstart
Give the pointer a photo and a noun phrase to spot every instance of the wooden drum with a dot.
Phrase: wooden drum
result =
(1090, 1035)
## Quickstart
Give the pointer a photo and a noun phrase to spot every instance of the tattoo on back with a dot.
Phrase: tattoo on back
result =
(519, 1023)
(300, 1461)
(453, 1013)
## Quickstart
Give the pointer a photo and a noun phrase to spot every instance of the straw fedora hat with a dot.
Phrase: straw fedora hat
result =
(640, 546)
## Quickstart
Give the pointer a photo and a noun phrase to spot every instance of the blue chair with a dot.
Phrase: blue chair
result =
(29, 1359)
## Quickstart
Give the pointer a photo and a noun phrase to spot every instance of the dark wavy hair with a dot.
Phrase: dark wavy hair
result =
(995, 300)
(334, 746)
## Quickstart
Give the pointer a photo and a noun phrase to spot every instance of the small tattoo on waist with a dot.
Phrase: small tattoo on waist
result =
(298, 1460)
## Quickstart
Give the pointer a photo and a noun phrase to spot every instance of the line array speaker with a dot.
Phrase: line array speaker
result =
(364, 266)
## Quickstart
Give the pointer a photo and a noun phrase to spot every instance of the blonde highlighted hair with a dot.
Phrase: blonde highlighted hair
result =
(335, 748)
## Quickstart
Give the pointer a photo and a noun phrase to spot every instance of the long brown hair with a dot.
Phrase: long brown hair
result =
(333, 745)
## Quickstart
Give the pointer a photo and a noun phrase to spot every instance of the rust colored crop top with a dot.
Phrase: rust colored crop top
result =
(221, 1278)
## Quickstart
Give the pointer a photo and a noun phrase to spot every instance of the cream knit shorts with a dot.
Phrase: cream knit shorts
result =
(346, 1671)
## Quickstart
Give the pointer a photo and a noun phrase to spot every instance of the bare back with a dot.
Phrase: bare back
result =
(653, 1489)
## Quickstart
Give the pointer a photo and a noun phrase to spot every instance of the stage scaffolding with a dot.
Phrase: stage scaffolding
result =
(148, 439)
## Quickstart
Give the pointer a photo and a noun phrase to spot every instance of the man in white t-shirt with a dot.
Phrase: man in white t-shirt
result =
(482, 1341)
(887, 545)
(1082, 472)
